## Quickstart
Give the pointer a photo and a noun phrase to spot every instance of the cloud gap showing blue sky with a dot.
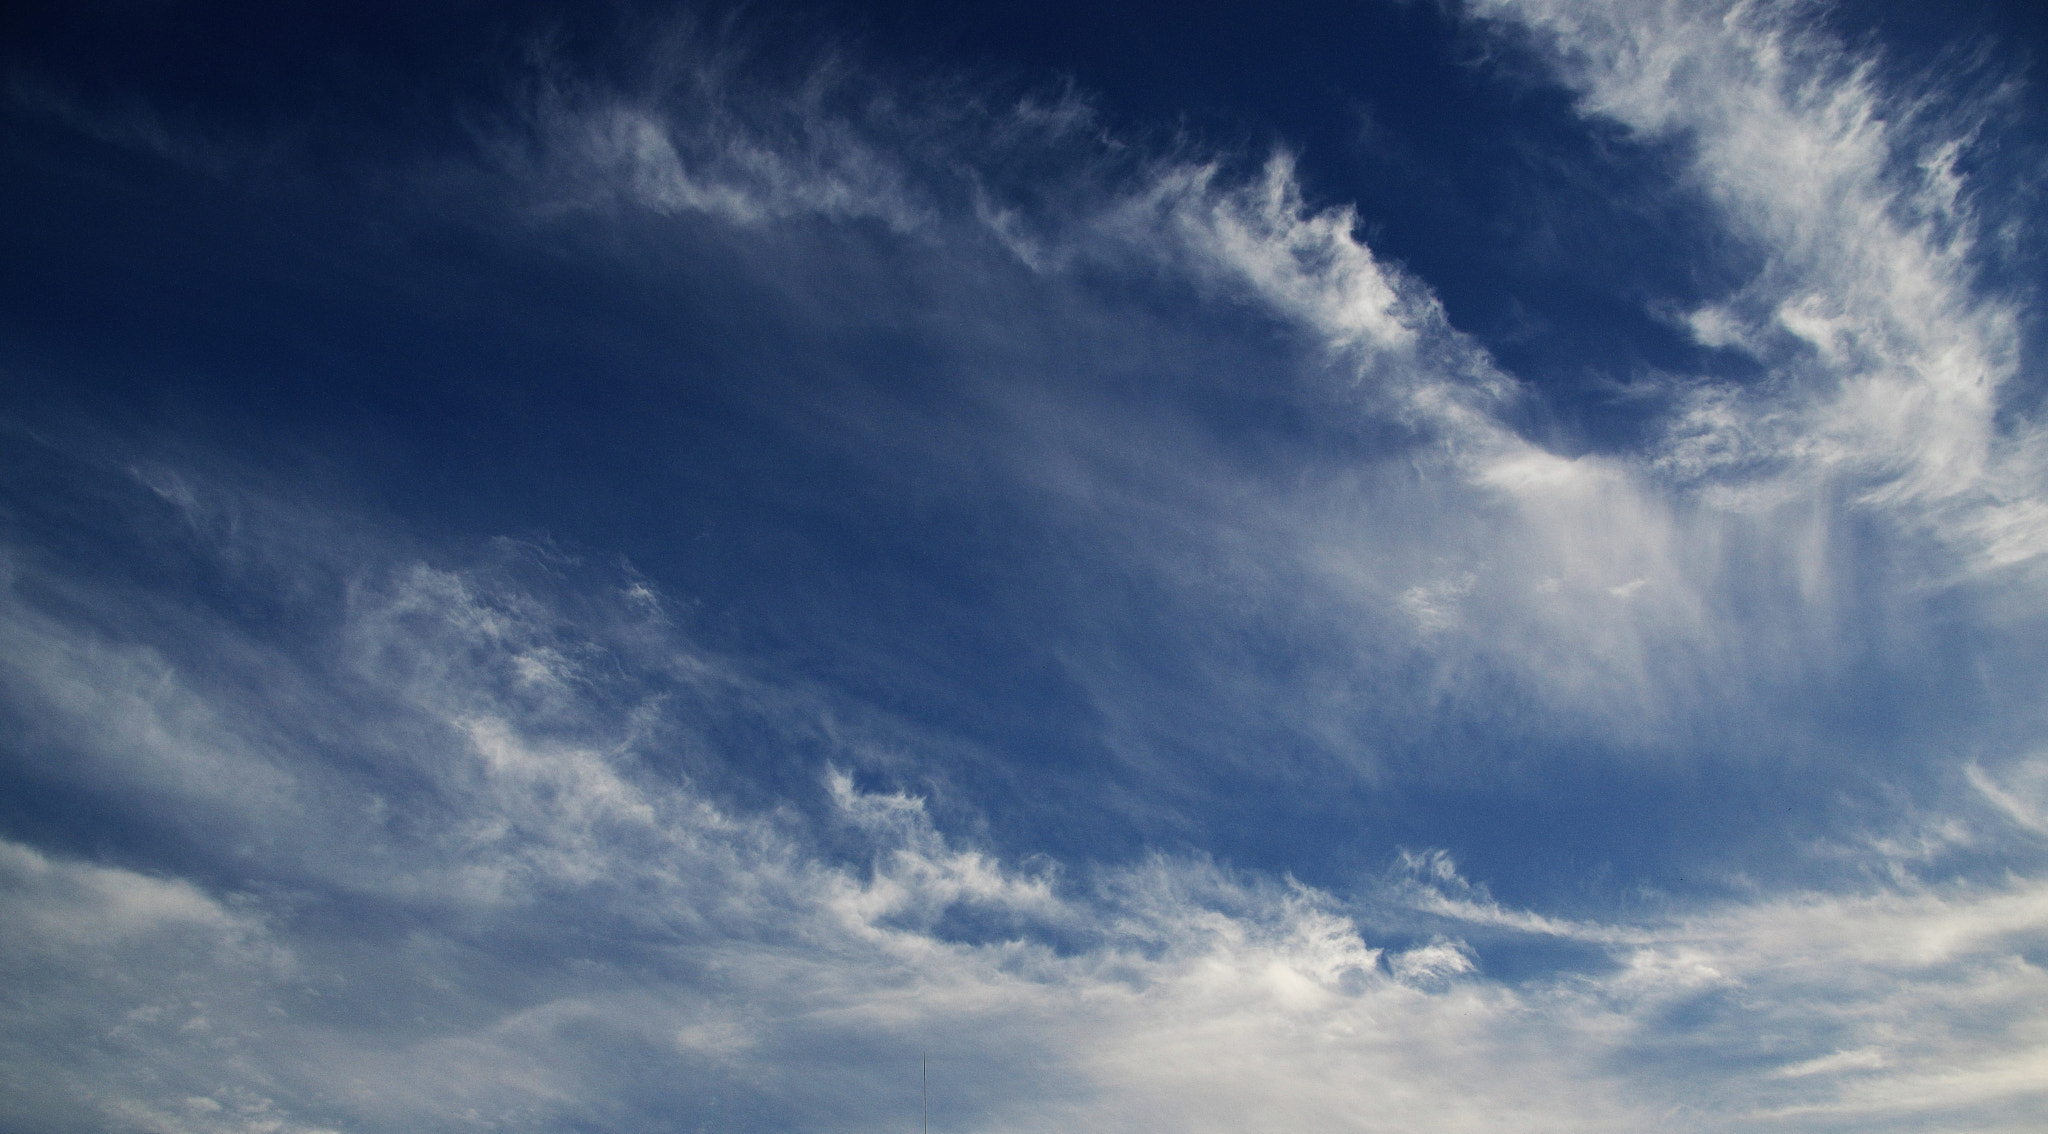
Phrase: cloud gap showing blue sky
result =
(1382, 567)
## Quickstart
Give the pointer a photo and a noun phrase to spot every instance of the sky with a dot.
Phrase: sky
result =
(1397, 566)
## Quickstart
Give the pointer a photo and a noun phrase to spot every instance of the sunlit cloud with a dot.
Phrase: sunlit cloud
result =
(341, 815)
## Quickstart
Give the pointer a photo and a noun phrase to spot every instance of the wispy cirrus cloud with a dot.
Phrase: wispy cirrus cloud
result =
(575, 927)
(1888, 361)
(382, 831)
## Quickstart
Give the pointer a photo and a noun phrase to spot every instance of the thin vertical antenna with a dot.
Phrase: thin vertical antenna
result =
(926, 1058)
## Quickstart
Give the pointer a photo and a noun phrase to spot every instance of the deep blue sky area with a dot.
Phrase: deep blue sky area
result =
(1382, 566)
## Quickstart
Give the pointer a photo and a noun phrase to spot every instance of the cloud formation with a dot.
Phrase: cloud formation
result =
(549, 924)
(339, 821)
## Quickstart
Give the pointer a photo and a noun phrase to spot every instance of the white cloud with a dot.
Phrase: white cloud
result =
(1886, 360)
(70, 905)
(574, 935)
(545, 919)
(2022, 794)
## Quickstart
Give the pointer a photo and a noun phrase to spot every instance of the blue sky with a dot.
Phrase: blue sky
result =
(1375, 567)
